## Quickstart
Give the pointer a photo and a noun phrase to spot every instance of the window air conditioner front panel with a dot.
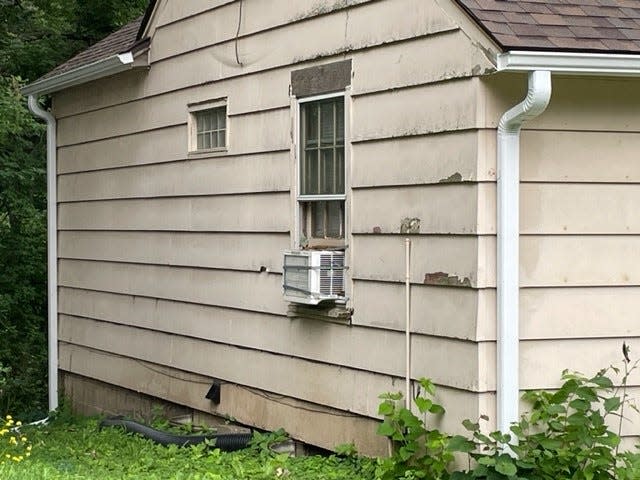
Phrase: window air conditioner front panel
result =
(312, 276)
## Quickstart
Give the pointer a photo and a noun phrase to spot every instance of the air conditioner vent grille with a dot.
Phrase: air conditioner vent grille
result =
(312, 276)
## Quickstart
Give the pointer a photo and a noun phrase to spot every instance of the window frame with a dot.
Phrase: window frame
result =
(192, 127)
(299, 199)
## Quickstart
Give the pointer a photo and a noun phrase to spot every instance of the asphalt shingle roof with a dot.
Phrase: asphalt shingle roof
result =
(611, 26)
(120, 41)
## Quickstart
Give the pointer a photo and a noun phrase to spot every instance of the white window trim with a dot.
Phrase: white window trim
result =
(296, 209)
(194, 108)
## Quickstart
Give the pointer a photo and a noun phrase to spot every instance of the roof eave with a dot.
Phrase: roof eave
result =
(93, 71)
(576, 63)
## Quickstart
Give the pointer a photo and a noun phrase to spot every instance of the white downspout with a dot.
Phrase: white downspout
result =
(52, 250)
(508, 388)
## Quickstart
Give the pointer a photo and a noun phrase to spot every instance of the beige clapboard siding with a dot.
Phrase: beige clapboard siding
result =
(233, 251)
(343, 30)
(443, 158)
(307, 339)
(216, 175)
(168, 12)
(263, 131)
(269, 88)
(436, 260)
(420, 110)
(577, 103)
(578, 260)
(164, 145)
(542, 361)
(439, 311)
(218, 213)
(587, 312)
(409, 111)
(300, 379)
(452, 208)
(274, 49)
(579, 208)
(341, 388)
(261, 292)
(188, 33)
(153, 379)
(579, 156)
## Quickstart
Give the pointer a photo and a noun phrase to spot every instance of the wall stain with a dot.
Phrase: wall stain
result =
(442, 278)
(456, 177)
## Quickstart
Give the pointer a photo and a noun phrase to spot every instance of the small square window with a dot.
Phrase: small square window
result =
(208, 127)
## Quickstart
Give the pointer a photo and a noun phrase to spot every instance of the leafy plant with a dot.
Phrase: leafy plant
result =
(566, 435)
(418, 452)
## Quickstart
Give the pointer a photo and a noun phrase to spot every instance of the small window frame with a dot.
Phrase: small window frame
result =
(192, 126)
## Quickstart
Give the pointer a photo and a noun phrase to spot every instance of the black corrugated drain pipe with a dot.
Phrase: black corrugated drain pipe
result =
(227, 442)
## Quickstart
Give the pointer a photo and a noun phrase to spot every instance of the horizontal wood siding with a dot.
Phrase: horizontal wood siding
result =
(579, 264)
(172, 262)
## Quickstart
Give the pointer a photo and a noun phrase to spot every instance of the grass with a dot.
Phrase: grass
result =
(79, 449)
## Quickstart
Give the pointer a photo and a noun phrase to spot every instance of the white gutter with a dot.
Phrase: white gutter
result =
(536, 101)
(570, 63)
(52, 250)
(102, 68)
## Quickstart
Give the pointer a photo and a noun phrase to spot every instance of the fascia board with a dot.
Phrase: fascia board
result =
(102, 68)
(570, 63)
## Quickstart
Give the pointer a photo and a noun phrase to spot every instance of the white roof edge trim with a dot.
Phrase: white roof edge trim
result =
(93, 71)
(570, 63)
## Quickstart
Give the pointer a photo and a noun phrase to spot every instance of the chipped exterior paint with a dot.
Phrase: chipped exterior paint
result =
(442, 278)
(410, 225)
(456, 177)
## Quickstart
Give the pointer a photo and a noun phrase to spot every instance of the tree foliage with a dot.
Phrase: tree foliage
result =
(35, 36)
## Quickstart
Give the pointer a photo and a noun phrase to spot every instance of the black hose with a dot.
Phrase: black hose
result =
(227, 442)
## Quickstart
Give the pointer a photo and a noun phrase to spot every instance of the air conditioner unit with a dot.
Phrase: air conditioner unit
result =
(312, 276)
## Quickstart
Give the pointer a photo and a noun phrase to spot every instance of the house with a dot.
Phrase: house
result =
(191, 149)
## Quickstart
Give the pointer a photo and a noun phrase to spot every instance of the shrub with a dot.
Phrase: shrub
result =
(566, 436)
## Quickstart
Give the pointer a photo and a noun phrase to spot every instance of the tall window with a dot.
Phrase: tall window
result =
(322, 172)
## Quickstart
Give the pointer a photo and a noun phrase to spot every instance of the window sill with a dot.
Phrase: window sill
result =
(328, 313)
(210, 152)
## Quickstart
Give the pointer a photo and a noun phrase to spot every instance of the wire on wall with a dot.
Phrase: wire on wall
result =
(238, 33)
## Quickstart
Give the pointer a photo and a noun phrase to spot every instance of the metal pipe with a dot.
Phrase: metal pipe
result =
(508, 388)
(407, 280)
(52, 248)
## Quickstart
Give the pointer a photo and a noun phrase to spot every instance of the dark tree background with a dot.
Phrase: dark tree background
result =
(35, 36)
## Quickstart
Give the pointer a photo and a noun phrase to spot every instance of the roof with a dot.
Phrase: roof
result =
(120, 41)
(606, 26)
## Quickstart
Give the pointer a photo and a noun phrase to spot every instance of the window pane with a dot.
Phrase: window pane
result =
(327, 178)
(222, 118)
(310, 173)
(334, 219)
(200, 141)
(339, 171)
(220, 140)
(340, 123)
(327, 123)
(317, 219)
(310, 115)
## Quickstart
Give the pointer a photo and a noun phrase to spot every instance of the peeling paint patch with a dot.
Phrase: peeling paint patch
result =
(377, 230)
(410, 225)
(442, 278)
(456, 177)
